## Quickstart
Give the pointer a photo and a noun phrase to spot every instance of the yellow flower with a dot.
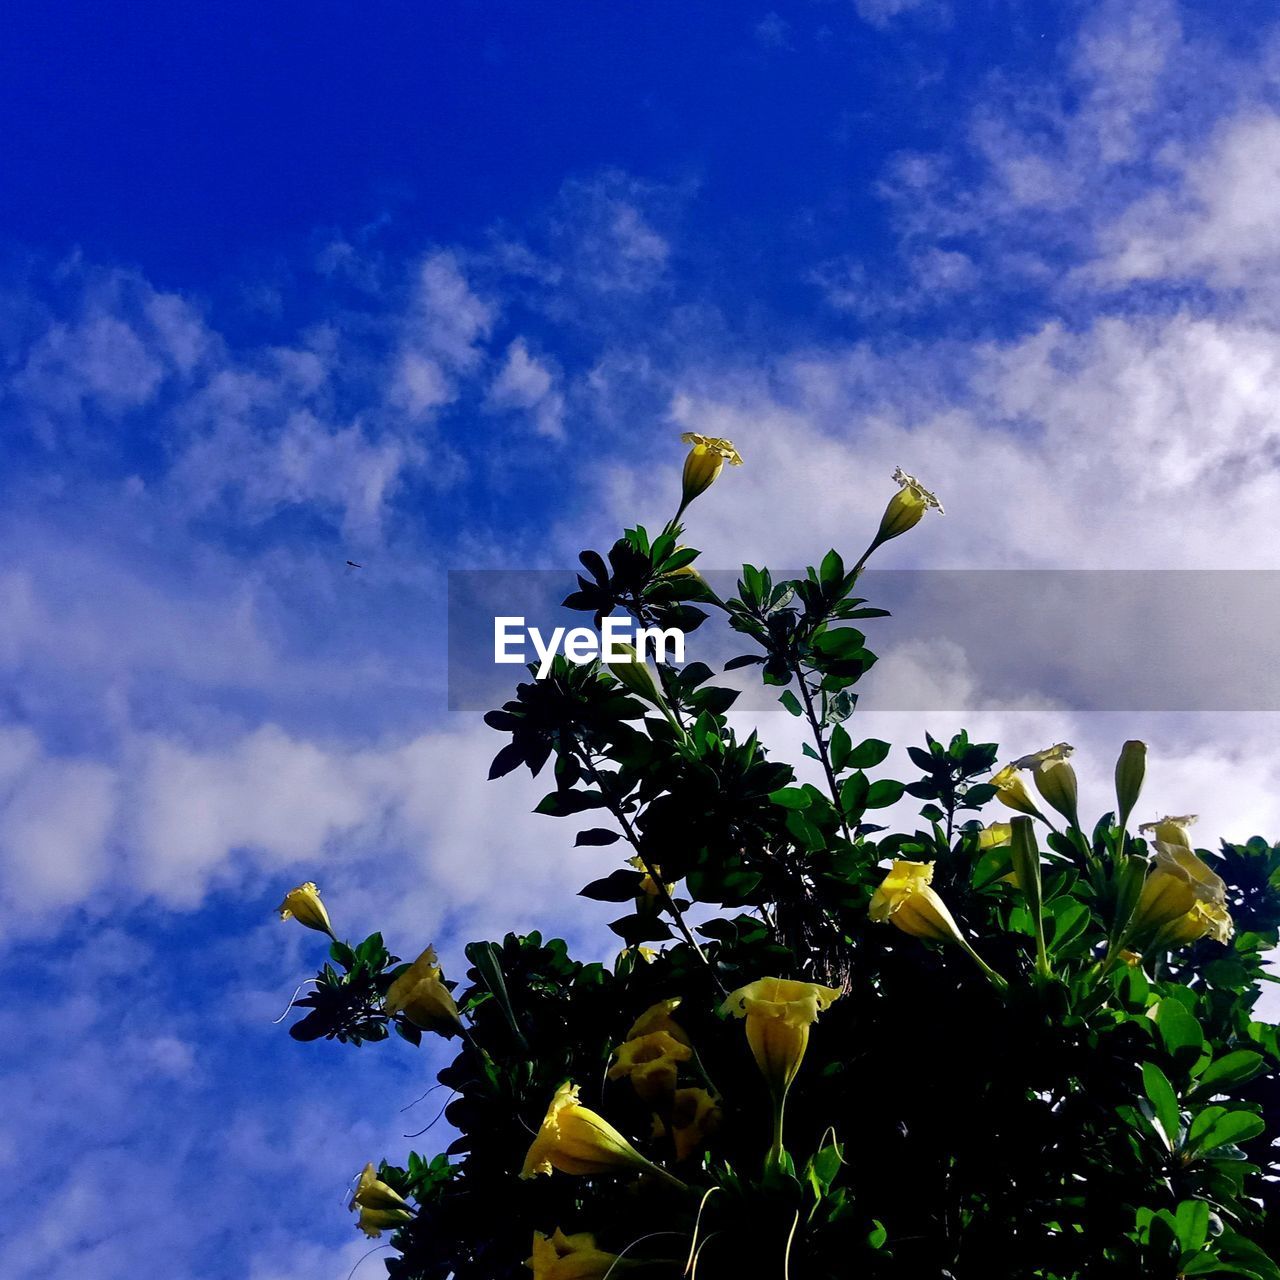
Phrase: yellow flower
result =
(657, 1017)
(652, 1062)
(575, 1257)
(648, 885)
(695, 1116)
(1171, 830)
(420, 994)
(995, 836)
(779, 1013)
(906, 508)
(1055, 778)
(574, 1139)
(905, 898)
(1012, 791)
(1131, 958)
(705, 462)
(373, 1193)
(1176, 882)
(373, 1222)
(1204, 920)
(1131, 769)
(304, 905)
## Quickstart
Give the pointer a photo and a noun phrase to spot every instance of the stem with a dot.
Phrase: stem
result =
(634, 840)
(997, 980)
(823, 753)
(775, 1151)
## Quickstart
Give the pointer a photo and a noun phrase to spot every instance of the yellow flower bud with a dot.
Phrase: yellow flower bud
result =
(575, 1139)
(1055, 779)
(779, 1013)
(1170, 830)
(651, 1062)
(304, 905)
(1012, 792)
(1131, 769)
(906, 899)
(629, 669)
(906, 508)
(575, 1257)
(373, 1222)
(705, 462)
(373, 1193)
(420, 994)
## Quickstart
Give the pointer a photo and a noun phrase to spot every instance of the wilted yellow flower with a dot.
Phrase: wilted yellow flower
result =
(1012, 791)
(373, 1222)
(995, 836)
(575, 1257)
(1170, 830)
(304, 905)
(1131, 769)
(695, 1116)
(420, 994)
(651, 1062)
(779, 1013)
(373, 1193)
(1176, 882)
(705, 462)
(575, 1139)
(1055, 778)
(905, 898)
(657, 1017)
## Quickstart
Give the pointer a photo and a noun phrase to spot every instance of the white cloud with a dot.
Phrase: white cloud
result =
(526, 383)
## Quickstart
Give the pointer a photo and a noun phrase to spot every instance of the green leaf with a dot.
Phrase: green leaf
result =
(597, 836)
(1234, 1068)
(868, 754)
(1179, 1030)
(1224, 1128)
(1191, 1223)
(791, 798)
(853, 795)
(883, 793)
(1164, 1101)
(841, 747)
(792, 703)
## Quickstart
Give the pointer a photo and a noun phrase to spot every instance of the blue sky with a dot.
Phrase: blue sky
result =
(438, 286)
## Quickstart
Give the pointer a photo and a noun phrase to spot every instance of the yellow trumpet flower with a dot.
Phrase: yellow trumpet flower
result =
(575, 1257)
(1177, 881)
(372, 1193)
(373, 1222)
(304, 905)
(651, 1062)
(577, 1140)
(1055, 778)
(1012, 792)
(1204, 920)
(704, 463)
(657, 1017)
(907, 899)
(695, 1116)
(996, 836)
(906, 508)
(1171, 830)
(420, 994)
(779, 1013)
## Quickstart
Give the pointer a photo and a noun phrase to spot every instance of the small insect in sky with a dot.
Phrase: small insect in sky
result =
(351, 564)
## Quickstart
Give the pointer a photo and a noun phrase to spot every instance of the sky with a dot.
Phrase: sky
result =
(438, 286)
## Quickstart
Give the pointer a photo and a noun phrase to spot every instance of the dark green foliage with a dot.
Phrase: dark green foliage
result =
(1095, 1119)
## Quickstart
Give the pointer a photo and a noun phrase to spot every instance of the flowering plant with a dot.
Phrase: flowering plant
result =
(1006, 1040)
